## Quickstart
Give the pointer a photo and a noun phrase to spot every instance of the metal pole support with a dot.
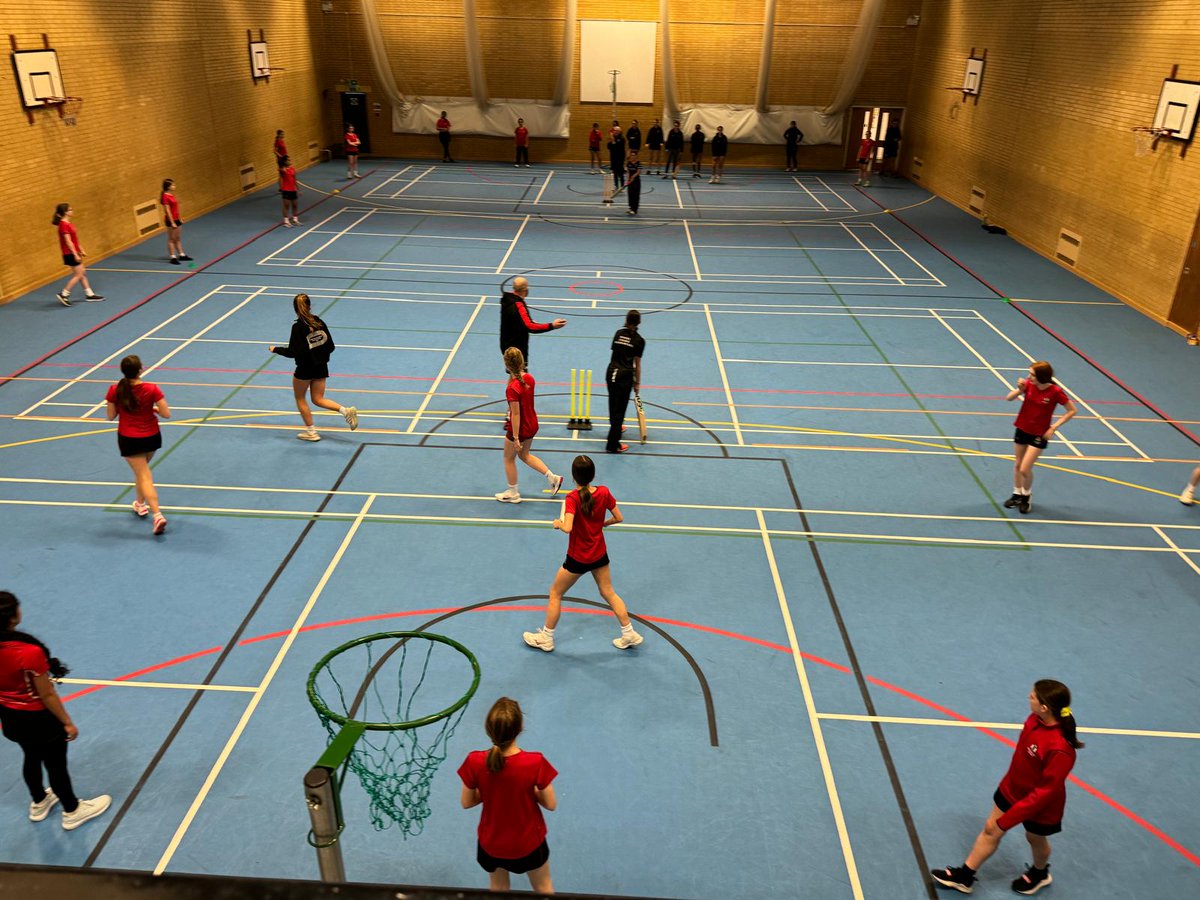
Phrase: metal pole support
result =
(325, 814)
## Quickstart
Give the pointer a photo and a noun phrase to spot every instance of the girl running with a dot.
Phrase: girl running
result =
(139, 404)
(72, 254)
(33, 717)
(522, 422)
(310, 345)
(1034, 430)
(1033, 793)
(352, 141)
(174, 224)
(583, 519)
(511, 783)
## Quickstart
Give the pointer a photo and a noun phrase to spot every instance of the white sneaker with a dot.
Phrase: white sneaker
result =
(509, 496)
(39, 811)
(141, 509)
(867, 183)
(295, 221)
(307, 435)
(540, 640)
(625, 641)
(87, 809)
(556, 482)
(858, 182)
(160, 525)
(1188, 497)
(351, 416)
(287, 224)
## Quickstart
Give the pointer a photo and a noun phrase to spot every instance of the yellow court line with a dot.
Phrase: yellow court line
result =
(161, 684)
(1006, 726)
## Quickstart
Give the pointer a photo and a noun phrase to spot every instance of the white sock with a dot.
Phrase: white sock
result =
(310, 428)
(547, 630)
(342, 410)
(627, 629)
(550, 476)
(513, 489)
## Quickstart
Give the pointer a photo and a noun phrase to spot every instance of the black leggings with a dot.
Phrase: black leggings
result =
(791, 156)
(44, 741)
(522, 155)
(618, 402)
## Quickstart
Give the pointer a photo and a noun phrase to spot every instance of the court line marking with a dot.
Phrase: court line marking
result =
(733, 414)
(692, 249)
(393, 177)
(445, 366)
(813, 719)
(411, 182)
(873, 254)
(160, 684)
(1007, 726)
(266, 260)
(260, 691)
(538, 198)
(512, 246)
(263, 343)
(679, 196)
(1183, 554)
(305, 260)
(410, 236)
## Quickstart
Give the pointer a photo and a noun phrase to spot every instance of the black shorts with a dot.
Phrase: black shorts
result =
(171, 224)
(71, 261)
(136, 446)
(352, 153)
(534, 860)
(1030, 440)
(290, 195)
(575, 567)
(311, 372)
(1042, 828)
(863, 160)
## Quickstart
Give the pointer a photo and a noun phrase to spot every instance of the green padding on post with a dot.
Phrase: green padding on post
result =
(341, 746)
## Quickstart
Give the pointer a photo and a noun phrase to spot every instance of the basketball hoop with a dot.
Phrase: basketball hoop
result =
(68, 107)
(1146, 138)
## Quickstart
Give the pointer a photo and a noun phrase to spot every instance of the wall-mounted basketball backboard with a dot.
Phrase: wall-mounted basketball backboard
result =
(1177, 106)
(260, 62)
(38, 76)
(973, 76)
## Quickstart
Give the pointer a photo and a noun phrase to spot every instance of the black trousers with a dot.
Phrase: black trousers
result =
(620, 386)
(791, 156)
(444, 137)
(617, 164)
(41, 736)
(523, 155)
(633, 191)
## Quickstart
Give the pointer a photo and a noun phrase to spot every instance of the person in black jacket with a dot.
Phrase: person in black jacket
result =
(633, 136)
(720, 145)
(698, 138)
(310, 345)
(616, 157)
(654, 142)
(623, 377)
(792, 137)
(515, 324)
(633, 184)
(674, 148)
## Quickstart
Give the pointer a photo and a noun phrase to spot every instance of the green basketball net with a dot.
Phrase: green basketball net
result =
(374, 697)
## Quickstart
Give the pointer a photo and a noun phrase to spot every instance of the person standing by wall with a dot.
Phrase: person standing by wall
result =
(72, 255)
(654, 143)
(698, 138)
(443, 131)
(173, 223)
(280, 147)
(674, 146)
(891, 148)
(623, 377)
(866, 154)
(791, 139)
(594, 150)
(515, 323)
(616, 157)
(633, 136)
(353, 142)
(521, 139)
(720, 146)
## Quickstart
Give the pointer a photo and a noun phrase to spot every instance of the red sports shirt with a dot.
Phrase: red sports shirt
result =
(594, 139)
(143, 421)
(1036, 781)
(287, 179)
(280, 148)
(352, 142)
(585, 543)
(171, 206)
(511, 826)
(865, 147)
(19, 662)
(1037, 409)
(443, 124)
(65, 230)
(522, 392)
(522, 135)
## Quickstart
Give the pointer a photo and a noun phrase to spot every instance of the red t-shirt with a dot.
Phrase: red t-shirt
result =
(522, 135)
(287, 179)
(19, 662)
(511, 826)
(594, 139)
(1036, 781)
(1037, 409)
(522, 392)
(865, 148)
(280, 148)
(143, 421)
(66, 229)
(352, 142)
(443, 124)
(171, 206)
(585, 543)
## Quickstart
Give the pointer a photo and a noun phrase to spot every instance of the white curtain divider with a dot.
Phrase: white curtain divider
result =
(475, 71)
(857, 55)
(764, 60)
(747, 125)
(379, 57)
(670, 92)
(566, 61)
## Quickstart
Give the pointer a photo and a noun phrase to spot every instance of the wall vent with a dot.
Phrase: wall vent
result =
(978, 198)
(1068, 247)
(145, 217)
(915, 169)
(314, 151)
(249, 179)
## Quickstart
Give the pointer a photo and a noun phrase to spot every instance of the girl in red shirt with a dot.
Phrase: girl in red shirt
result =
(280, 146)
(520, 428)
(72, 254)
(33, 717)
(584, 520)
(521, 137)
(352, 142)
(594, 149)
(866, 152)
(174, 224)
(139, 404)
(288, 192)
(511, 783)
(1034, 430)
(1033, 793)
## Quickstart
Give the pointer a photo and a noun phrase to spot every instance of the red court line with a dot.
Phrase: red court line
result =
(1183, 851)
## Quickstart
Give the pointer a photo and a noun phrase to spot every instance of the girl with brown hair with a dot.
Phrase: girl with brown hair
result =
(310, 345)
(520, 428)
(1040, 395)
(139, 405)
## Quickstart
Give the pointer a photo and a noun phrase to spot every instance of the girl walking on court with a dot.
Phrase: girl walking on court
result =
(139, 405)
(33, 717)
(174, 224)
(1188, 496)
(72, 254)
(311, 345)
(584, 521)
(352, 141)
(1040, 395)
(520, 428)
(1033, 793)
(511, 783)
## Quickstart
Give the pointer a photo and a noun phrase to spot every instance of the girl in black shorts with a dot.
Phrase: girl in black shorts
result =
(310, 345)
(584, 521)
(139, 404)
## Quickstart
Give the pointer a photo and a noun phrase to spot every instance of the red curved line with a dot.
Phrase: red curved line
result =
(1187, 854)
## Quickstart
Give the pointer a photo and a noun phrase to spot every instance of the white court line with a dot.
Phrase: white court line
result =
(378, 188)
(1001, 726)
(445, 366)
(678, 196)
(260, 691)
(512, 246)
(874, 255)
(411, 183)
(692, 248)
(538, 198)
(887, 237)
(415, 236)
(801, 362)
(733, 415)
(813, 719)
(274, 254)
(119, 353)
(810, 193)
(835, 192)
(341, 233)
(1182, 553)
(161, 684)
(263, 343)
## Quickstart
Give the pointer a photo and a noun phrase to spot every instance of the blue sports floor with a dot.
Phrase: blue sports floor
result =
(842, 622)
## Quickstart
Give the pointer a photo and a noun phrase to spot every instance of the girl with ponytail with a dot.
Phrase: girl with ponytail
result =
(583, 519)
(139, 405)
(311, 345)
(520, 428)
(510, 783)
(1032, 793)
(33, 717)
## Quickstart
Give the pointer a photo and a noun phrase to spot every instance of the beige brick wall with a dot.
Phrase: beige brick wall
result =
(167, 93)
(1050, 139)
